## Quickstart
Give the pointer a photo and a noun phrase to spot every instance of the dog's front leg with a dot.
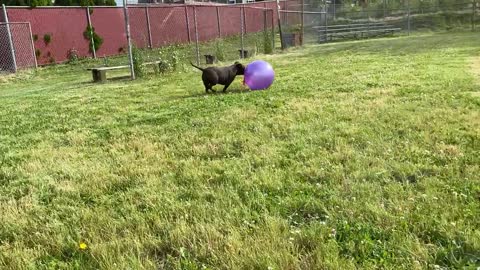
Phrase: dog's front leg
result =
(227, 85)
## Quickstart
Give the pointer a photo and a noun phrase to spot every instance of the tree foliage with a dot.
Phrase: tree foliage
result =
(37, 3)
(85, 3)
(30, 3)
(392, 4)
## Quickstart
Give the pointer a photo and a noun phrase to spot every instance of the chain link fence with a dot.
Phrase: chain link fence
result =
(323, 21)
(231, 33)
(205, 35)
(201, 34)
(16, 47)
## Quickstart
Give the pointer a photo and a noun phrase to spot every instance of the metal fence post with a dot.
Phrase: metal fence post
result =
(264, 21)
(474, 9)
(384, 9)
(241, 32)
(147, 15)
(273, 29)
(334, 10)
(302, 23)
(33, 45)
(285, 16)
(408, 16)
(197, 49)
(368, 22)
(10, 41)
(218, 23)
(244, 20)
(188, 25)
(92, 40)
(326, 22)
(129, 42)
(280, 25)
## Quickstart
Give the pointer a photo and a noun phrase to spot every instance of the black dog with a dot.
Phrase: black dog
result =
(220, 75)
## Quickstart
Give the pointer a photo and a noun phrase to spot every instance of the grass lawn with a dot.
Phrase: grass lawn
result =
(362, 155)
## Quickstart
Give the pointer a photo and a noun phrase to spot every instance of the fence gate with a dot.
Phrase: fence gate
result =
(16, 47)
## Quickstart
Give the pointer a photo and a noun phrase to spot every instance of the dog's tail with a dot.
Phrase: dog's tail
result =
(196, 66)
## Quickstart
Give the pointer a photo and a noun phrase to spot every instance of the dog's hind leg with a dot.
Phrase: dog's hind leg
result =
(207, 87)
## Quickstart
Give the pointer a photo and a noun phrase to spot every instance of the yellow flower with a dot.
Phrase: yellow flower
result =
(82, 246)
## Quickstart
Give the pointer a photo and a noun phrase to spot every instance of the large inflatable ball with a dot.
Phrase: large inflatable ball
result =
(259, 75)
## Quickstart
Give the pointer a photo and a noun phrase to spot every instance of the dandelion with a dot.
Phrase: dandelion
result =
(82, 246)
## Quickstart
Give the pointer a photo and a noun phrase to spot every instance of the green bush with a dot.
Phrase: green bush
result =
(72, 56)
(219, 50)
(267, 42)
(47, 38)
(97, 40)
(138, 62)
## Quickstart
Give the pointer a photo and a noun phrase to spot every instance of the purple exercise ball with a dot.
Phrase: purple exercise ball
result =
(259, 75)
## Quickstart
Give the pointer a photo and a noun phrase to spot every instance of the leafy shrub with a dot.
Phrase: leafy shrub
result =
(138, 62)
(90, 34)
(267, 42)
(220, 50)
(171, 58)
(72, 56)
(47, 38)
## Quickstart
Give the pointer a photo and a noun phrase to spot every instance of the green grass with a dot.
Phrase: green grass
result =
(362, 155)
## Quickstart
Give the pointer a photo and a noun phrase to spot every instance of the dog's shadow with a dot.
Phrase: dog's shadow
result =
(233, 91)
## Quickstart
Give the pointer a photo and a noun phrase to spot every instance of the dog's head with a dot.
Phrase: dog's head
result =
(240, 68)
